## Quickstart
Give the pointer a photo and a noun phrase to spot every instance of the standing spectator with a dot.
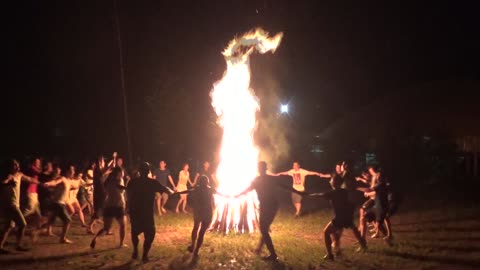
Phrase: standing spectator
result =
(183, 180)
(163, 176)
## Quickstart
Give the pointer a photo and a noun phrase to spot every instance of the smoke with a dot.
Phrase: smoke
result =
(272, 131)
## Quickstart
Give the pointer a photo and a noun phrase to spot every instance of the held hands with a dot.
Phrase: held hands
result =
(170, 191)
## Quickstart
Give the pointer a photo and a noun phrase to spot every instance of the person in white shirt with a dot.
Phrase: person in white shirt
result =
(89, 189)
(298, 176)
(75, 206)
(61, 199)
(10, 180)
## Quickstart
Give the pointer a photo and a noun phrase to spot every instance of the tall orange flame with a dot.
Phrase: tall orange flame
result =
(236, 105)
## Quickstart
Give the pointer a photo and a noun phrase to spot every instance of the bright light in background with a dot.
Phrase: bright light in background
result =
(284, 108)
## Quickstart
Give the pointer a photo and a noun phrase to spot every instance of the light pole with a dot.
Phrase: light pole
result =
(122, 81)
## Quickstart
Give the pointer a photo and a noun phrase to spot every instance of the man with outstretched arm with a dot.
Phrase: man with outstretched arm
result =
(265, 186)
(298, 176)
(343, 210)
(10, 202)
(141, 197)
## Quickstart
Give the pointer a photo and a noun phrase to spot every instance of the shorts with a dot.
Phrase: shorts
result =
(59, 210)
(296, 198)
(33, 206)
(343, 223)
(13, 213)
(139, 226)
(163, 195)
(114, 212)
(204, 216)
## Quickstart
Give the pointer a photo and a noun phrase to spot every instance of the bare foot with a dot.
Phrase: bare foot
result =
(65, 241)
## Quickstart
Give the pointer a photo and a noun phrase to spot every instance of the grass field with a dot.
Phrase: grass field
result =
(425, 238)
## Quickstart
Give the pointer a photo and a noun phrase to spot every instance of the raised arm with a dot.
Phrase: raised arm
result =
(8, 179)
(106, 174)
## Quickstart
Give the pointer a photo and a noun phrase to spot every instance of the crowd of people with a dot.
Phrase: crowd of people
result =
(106, 191)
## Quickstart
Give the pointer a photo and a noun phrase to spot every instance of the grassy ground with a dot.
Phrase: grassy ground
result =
(425, 238)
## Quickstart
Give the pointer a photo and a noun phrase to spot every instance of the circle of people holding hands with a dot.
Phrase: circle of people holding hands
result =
(107, 192)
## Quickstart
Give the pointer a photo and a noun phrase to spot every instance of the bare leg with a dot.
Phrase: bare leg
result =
(179, 203)
(336, 241)
(184, 209)
(201, 234)
(147, 244)
(360, 239)
(106, 227)
(134, 243)
(327, 232)
(121, 223)
(78, 209)
(92, 224)
(196, 226)
(164, 202)
(298, 208)
(362, 223)
(258, 250)
(5, 234)
(63, 237)
(388, 225)
(158, 202)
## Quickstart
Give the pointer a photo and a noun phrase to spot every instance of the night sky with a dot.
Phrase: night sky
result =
(62, 92)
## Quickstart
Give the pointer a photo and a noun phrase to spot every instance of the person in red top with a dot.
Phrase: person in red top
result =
(33, 205)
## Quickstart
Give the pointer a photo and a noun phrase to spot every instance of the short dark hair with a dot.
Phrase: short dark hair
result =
(203, 180)
(262, 167)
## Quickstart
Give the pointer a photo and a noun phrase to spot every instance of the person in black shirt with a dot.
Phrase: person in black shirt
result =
(141, 196)
(163, 176)
(265, 185)
(208, 173)
(381, 193)
(98, 192)
(343, 210)
(203, 205)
